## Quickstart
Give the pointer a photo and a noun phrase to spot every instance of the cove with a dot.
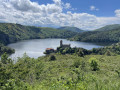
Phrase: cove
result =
(34, 48)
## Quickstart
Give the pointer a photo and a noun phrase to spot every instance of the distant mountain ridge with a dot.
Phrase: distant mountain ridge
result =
(73, 29)
(109, 27)
(107, 34)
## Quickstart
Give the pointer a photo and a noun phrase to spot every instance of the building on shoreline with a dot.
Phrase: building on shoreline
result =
(64, 45)
(51, 50)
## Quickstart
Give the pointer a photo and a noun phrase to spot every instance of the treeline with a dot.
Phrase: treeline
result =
(100, 35)
(111, 50)
(6, 49)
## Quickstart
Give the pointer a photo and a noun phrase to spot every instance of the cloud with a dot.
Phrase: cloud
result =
(27, 12)
(93, 8)
(67, 5)
(117, 12)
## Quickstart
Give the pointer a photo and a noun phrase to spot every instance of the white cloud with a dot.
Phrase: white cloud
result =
(117, 12)
(31, 13)
(67, 5)
(93, 8)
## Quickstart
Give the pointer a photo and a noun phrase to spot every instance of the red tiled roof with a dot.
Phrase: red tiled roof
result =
(49, 49)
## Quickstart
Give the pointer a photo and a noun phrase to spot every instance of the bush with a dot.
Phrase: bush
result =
(108, 53)
(76, 63)
(94, 64)
(52, 58)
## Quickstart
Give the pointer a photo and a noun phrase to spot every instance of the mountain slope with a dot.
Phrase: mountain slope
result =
(109, 27)
(73, 29)
(100, 36)
(14, 32)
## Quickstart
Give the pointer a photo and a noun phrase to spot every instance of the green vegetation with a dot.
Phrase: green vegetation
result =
(106, 34)
(109, 27)
(111, 50)
(94, 64)
(73, 29)
(66, 69)
(67, 72)
(6, 49)
(10, 33)
(52, 58)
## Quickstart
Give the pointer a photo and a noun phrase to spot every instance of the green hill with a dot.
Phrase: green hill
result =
(14, 32)
(73, 29)
(101, 35)
(109, 27)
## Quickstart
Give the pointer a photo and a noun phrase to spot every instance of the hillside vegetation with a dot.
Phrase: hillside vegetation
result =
(109, 27)
(64, 72)
(10, 33)
(73, 29)
(109, 34)
(67, 69)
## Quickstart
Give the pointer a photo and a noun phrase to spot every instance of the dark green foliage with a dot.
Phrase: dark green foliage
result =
(109, 27)
(107, 50)
(6, 49)
(73, 29)
(111, 50)
(108, 53)
(79, 51)
(76, 63)
(4, 58)
(112, 34)
(10, 33)
(94, 64)
(52, 58)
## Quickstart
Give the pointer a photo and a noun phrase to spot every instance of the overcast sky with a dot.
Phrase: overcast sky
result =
(84, 14)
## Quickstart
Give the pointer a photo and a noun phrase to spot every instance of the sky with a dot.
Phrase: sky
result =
(84, 14)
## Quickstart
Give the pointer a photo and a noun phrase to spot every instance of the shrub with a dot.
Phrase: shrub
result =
(5, 59)
(94, 64)
(76, 63)
(108, 53)
(52, 58)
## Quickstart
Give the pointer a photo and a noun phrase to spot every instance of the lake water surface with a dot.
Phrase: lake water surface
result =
(36, 47)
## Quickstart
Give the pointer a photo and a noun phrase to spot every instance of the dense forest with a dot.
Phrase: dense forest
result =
(111, 34)
(73, 29)
(14, 32)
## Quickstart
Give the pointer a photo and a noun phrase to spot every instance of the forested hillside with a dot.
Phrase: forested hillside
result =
(105, 35)
(109, 27)
(10, 33)
(73, 29)
(14, 32)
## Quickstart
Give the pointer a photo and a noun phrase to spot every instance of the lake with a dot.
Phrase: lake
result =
(36, 47)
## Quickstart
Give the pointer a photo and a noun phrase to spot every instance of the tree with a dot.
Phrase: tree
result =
(4, 58)
(94, 64)
(81, 54)
(108, 53)
(52, 58)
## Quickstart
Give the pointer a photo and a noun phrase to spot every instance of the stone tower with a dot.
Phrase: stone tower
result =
(61, 43)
